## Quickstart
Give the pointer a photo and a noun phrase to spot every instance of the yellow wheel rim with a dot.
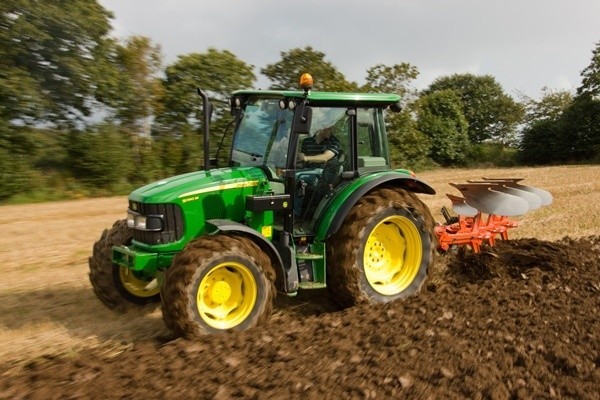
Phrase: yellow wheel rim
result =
(136, 286)
(227, 295)
(393, 255)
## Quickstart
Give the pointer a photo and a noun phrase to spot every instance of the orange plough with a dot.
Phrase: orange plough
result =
(484, 210)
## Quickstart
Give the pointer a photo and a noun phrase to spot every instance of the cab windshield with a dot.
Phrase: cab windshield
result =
(262, 135)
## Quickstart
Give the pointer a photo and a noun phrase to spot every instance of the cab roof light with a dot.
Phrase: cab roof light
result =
(306, 82)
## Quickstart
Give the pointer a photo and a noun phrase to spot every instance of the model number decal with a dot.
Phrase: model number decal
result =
(190, 199)
(235, 185)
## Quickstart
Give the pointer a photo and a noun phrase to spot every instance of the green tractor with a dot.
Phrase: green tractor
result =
(214, 246)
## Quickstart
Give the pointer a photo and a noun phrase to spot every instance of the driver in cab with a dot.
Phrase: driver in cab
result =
(314, 153)
(317, 150)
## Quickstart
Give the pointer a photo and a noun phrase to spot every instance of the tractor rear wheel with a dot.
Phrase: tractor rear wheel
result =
(218, 283)
(117, 287)
(383, 249)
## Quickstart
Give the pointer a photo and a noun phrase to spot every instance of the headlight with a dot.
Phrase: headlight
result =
(130, 219)
(152, 223)
(140, 222)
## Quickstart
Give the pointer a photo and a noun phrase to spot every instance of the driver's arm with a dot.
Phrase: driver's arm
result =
(317, 158)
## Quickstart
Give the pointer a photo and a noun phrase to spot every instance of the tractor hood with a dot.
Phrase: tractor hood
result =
(186, 187)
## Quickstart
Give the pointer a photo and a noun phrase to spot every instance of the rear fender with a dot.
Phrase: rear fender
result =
(342, 203)
(223, 225)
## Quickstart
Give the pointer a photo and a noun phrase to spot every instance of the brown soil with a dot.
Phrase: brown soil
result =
(520, 321)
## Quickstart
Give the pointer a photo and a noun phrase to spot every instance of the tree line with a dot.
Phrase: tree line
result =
(85, 113)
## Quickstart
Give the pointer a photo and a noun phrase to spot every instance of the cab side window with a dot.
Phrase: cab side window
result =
(371, 146)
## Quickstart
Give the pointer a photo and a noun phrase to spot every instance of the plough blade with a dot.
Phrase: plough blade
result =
(487, 199)
(460, 206)
(544, 195)
(499, 198)
(533, 200)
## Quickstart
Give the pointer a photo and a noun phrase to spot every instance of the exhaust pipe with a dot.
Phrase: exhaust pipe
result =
(206, 114)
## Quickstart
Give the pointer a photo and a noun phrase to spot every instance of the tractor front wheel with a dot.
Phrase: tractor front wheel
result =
(218, 283)
(118, 287)
(383, 249)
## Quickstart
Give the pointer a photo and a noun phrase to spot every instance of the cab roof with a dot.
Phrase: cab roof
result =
(331, 99)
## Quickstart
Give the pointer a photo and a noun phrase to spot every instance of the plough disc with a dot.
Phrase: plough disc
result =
(499, 198)
(544, 195)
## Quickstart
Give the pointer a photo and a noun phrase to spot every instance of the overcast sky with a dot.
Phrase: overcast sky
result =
(524, 44)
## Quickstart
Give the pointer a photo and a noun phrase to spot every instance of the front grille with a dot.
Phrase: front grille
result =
(172, 219)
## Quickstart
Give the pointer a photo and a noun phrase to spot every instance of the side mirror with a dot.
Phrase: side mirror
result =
(396, 107)
(302, 120)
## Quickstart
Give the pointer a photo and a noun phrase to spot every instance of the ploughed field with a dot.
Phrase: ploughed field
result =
(520, 320)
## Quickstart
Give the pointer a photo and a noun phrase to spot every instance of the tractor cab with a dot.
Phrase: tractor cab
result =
(310, 145)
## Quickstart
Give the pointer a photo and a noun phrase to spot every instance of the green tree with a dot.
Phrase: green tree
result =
(147, 166)
(128, 81)
(285, 73)
(590, 83)
(100, 156)
(573, 137)
(566, 130)
(14, 173)
(580, 139)
(541, 142)
(409, 147)
(15, 170)
(440, 117)
(491, 114)
(217, 72)
(179, 154)
(391, 79)
(550, 107)
(48, 54)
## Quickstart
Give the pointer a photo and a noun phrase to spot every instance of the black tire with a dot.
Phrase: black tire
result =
(365, 258)
(218, 283)
(117, 287)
